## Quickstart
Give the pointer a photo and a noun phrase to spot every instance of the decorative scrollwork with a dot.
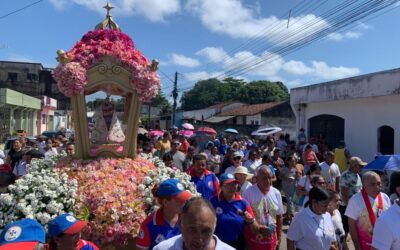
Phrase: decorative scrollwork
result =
(103, 68)
(116, 69)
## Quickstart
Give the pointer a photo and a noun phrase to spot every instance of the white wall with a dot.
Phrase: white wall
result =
(363, 117)
(254, 118)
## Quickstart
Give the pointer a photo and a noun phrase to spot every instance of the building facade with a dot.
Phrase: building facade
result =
(32, 79)
(363, 111)
(18, 112)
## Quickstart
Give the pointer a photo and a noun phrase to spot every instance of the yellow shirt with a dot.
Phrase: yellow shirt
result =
(340, 159)
(164, 146)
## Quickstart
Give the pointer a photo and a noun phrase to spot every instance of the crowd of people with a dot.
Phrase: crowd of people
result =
(326, 192)
(244, 185)
(13, 165)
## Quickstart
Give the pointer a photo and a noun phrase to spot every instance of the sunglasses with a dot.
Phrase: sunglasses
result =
(237, 158)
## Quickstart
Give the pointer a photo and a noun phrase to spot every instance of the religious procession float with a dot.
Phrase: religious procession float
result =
(106, 183)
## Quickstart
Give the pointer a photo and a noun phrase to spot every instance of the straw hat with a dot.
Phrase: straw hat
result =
(243, 170)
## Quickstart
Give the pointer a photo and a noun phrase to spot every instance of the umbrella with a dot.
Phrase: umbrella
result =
(266, 131)
(206, 130)
(187, 133)
(142, 131)
(231, 130)
(384, 162)
(187, 126)
(156, 133)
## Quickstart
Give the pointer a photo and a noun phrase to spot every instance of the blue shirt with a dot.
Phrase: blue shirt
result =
(155, 229)
(207, 185)
(230, 222)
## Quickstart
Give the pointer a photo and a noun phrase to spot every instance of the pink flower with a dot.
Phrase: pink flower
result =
(94, 45)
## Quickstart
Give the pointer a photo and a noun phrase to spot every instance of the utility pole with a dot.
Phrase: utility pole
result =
(175, 96)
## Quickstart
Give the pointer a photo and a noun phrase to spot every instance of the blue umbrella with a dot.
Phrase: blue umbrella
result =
(231, 130)
(384, 162)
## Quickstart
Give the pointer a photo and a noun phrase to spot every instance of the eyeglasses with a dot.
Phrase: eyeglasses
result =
(175, 144)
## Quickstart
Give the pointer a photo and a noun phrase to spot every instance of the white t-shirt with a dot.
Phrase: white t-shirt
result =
(311, 231)
(305, 182)
(176, 243)
(337, 223)
(356, 205)
(262, 204)
(357, 210)
(230, 170)
(330, 172)
(244, 187)
(387, 230)
(252, 165)
(178, 159)
(49, 153)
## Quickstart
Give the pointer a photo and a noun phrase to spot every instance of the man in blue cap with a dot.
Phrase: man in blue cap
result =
(64, 231)
(25, 234)
(163, 223)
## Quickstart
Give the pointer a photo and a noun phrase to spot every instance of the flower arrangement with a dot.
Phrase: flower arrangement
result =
(91, 49)
(159, 174)
(42, 195)
(109, 189)
(71, 78)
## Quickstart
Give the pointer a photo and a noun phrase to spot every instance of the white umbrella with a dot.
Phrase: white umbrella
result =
(188, 126)
(266, 131)
(142, 131)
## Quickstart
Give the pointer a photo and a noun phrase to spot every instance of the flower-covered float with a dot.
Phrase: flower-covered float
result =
(106, 183)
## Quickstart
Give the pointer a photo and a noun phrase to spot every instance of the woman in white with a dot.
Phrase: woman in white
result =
(215, 160)
(333, 210)
(312, 228)
(49, 150)
(243, 176)
(304, 185)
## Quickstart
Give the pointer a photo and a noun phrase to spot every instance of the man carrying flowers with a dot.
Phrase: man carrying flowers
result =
(64, 231)
(163, 223)
(206, 182)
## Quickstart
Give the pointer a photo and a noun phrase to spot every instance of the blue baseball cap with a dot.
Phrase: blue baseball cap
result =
(65, 224)
(227, 178)
(23, 234)
(174, 189)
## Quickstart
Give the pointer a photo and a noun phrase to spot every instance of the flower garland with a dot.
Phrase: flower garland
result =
(92, 48)
(108, 188)
(42, 195)
(159, 174)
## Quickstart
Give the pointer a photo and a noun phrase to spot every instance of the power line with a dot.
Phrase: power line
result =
(18, 10)
(336, 16)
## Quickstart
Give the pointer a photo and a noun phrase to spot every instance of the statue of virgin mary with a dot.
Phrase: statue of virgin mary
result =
(108, 128)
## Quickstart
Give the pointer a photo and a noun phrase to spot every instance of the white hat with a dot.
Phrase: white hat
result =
(243, 170)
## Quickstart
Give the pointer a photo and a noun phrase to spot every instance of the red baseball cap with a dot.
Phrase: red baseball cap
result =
(5, 168)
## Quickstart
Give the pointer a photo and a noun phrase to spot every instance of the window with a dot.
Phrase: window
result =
(31, 77)
(256, 122)
(43, 119)
(12, 76)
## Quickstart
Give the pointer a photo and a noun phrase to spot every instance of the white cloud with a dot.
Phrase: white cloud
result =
(342, 36)
(325, 72)
(232, 18)
(201, 75)
(271, 66)
(296, 68)
(184, 61)
(213, 54)
(154, 10)
(357, 32)
(244, 59)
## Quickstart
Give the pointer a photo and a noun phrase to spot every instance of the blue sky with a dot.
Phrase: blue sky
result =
(201, 38)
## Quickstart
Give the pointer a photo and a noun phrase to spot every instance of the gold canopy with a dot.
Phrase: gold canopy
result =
(108, 22)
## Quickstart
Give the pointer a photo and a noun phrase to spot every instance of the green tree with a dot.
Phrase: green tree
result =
(212, 91)
(160, 101)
